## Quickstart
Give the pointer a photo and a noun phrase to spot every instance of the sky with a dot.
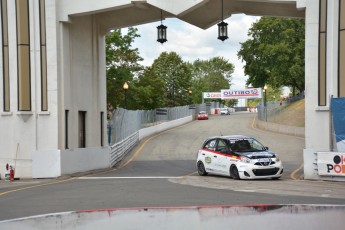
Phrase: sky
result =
(192, 43)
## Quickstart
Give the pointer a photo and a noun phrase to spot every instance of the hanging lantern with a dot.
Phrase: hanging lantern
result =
(162, 31)
(222, 31)
(222, 28)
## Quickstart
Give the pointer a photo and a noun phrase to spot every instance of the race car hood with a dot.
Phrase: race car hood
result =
(257, 155)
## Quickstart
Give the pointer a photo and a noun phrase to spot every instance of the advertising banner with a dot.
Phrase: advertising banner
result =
(241, 93)
(338, 116)
(331, 163)
(212, 95)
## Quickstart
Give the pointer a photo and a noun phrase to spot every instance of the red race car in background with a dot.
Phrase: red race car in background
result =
(203, 115)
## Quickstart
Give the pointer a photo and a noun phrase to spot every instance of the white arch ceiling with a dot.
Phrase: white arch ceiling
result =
(200, 13)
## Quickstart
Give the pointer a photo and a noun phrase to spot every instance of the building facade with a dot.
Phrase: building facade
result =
(53, 84)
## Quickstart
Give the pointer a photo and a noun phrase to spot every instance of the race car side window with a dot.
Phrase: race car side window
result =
(210, 145)
(222, 146)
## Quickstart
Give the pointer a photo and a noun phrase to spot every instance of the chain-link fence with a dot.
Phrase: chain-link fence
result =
(126, 122)
(272, 110)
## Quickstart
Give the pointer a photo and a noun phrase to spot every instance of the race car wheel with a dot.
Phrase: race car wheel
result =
(201, 169)
(234, 172)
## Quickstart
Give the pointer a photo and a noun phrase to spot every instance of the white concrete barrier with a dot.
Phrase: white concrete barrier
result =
(55, 163)
(280, 128)
(163, 126)
(258, 217)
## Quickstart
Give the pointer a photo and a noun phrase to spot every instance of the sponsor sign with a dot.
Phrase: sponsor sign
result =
(208, 160)
(161, 111)
(241, 93)
(212, 95)
(331, 163)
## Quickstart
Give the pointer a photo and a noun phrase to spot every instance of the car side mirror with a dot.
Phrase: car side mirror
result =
(266, 148)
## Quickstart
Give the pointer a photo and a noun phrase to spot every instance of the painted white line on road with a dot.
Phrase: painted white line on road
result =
(251, 190)
(242, 190)
(144, 177)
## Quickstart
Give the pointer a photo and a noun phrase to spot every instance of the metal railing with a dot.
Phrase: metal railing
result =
(124, 126)
(126, 122)
(269, 112)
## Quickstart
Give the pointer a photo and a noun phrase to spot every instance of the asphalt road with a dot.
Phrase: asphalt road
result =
(161, 172)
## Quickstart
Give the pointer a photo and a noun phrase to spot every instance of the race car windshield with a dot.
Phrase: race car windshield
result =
(247, 145)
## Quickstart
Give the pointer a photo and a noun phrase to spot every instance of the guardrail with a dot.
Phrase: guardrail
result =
(125, 122)
(119, 150)
(265, 113)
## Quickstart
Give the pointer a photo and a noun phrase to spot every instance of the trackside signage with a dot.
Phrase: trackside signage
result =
(331, 163)
(212, 95)
(241, 93)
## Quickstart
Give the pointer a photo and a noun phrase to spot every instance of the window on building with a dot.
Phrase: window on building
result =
(66, 129)
(341, 68)
(102, 128)
(23, 54)
(44, 90)
(82, 129)
(322, 52)
(5, 56)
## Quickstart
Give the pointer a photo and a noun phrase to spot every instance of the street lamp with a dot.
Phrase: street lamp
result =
(190, 94)
(265, 95)
(125, 87)
(265, 101)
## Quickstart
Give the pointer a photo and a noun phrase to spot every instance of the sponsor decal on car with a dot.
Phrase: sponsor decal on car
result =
(234, 158)
(264, 160)
(220, 166)
(208, 160)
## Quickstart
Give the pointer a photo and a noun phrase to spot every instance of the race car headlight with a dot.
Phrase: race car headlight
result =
(245, 159)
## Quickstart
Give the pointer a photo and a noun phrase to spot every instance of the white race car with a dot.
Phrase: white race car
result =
(224, 111)
(237, 156)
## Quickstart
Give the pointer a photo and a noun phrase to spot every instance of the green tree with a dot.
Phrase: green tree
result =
(273, 94)
(274, 54)
(231, 102)
(121, 64)
(176, 75)
(210, 76)
(148, 91)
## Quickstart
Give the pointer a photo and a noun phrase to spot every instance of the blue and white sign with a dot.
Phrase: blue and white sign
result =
(241, 93)
(338, 114)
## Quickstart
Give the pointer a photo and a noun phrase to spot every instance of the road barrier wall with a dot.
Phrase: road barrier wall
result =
(280, 128)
